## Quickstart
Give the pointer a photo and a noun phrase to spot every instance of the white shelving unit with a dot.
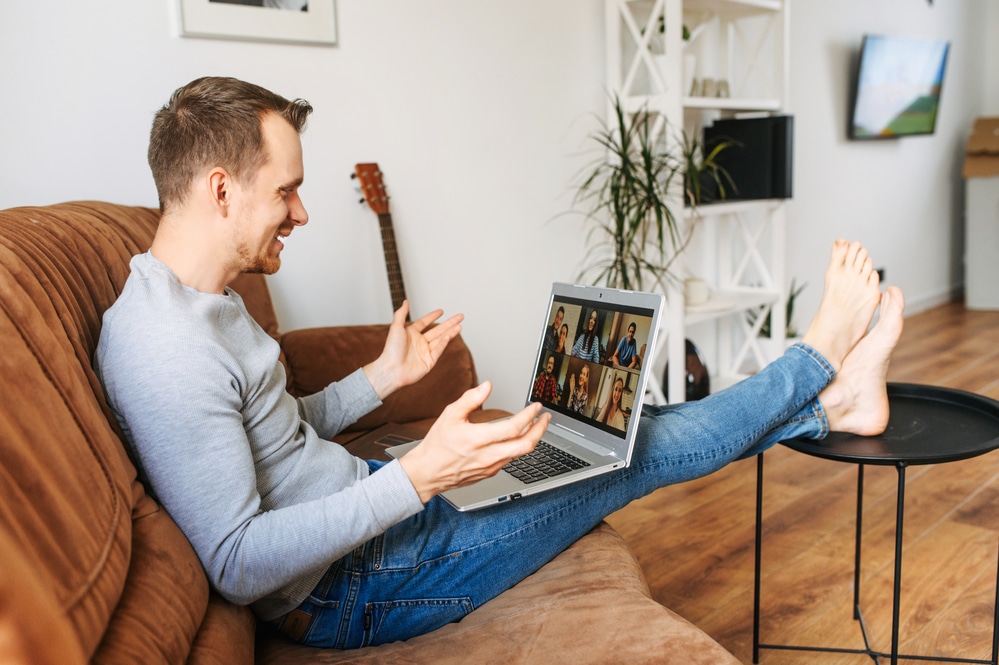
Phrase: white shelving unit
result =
(744, 42)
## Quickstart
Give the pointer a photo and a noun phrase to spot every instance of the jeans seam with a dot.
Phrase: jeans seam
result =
(371, 630)
(816, 356)
(347, 613)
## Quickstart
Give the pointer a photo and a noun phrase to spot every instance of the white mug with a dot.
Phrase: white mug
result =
(696, 291)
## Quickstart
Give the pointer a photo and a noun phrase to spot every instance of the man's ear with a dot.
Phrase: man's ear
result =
(219, 184)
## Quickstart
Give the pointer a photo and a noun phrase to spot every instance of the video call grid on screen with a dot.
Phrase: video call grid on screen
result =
(572, 353)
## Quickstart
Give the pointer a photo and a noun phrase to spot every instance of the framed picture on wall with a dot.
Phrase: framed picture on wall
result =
(294, 21)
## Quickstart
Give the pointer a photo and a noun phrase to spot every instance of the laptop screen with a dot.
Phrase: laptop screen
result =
(590, 360)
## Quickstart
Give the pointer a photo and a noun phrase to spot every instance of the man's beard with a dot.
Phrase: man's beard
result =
(256, 264)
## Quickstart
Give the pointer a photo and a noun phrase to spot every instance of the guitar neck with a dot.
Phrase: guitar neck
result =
(373, 188)
(396, 287)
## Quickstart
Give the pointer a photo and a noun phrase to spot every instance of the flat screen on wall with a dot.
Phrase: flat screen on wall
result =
(898, 87)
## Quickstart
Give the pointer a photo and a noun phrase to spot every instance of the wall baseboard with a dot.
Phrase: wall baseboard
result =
(933, 299)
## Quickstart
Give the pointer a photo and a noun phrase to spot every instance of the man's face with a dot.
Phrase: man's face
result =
(550, 367)
(631, 333)
(268, 208)
(558, 319)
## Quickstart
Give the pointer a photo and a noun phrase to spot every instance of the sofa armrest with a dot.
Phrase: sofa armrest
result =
(318, 356)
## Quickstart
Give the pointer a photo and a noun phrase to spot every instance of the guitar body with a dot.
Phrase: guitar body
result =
(373, 188)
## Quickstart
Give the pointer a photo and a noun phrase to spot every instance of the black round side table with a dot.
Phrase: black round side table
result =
(927, 425)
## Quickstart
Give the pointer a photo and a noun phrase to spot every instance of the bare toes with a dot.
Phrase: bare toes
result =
(839, 251)
(856, 254)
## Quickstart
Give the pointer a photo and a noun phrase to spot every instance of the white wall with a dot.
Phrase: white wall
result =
(477, 114)
(992, 60)
(903, 198)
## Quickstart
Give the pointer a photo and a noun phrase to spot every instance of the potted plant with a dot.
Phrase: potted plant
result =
(630, 193)
(661, 25)
(704, 178)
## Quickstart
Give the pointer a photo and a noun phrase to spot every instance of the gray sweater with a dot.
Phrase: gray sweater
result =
(244, 468)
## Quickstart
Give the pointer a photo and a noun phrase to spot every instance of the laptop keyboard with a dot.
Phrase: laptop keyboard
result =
(545, 461)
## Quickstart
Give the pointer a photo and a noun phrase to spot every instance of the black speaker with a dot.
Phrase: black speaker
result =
(761, 159)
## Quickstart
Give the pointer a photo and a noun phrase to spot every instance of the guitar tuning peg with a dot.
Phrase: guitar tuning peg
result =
(361, 200)
(353, 176)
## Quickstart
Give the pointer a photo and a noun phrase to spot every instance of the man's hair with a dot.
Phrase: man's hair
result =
(214, 121)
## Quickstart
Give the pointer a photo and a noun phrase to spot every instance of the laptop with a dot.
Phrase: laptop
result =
(592, 363)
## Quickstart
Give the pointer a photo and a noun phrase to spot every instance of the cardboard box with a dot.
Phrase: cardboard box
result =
(981, 159)
(981, 216)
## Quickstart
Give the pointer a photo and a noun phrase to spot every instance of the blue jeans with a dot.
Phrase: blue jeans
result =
(439, 565)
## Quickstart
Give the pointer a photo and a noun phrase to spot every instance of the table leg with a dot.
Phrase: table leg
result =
(756, 581)
(995, 625)
(856, 554)
(899, 521)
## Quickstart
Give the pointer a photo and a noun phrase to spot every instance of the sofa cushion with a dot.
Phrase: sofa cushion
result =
(65, 489)
(33, 628)
(226, 635)
(114, 569)
(588, 605)
(163, 567)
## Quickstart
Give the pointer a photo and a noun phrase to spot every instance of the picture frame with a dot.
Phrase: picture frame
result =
(249, 20)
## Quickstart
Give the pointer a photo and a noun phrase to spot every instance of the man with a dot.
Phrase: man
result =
(339, 552)
(545, 386)
(626, 354)
(551, 339)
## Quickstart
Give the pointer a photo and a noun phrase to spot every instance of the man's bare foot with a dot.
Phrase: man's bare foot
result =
(849, 299)
(857, 401)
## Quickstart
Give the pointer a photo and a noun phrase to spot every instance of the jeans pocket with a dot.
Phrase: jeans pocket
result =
(322, 626)
(402, 619)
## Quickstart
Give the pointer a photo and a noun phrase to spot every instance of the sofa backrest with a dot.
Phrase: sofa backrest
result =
(93, 560)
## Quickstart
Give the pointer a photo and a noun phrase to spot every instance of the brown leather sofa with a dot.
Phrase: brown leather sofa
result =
(92, 569)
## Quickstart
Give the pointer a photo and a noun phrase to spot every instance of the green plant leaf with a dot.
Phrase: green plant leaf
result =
(628, 192)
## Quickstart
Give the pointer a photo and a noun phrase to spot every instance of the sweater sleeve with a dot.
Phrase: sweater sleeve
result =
(339, 405)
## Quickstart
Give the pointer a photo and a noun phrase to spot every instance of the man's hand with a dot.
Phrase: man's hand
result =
(410, 350)
(457, 452)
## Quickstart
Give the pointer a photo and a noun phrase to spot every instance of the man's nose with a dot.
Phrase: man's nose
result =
(297, 213)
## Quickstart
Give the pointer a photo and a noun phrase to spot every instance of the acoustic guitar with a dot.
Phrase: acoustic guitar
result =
(373, 188)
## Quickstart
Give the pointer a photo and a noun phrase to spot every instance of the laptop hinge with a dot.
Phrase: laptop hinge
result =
(578, 439)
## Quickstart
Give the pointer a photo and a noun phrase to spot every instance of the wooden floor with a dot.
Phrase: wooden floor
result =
(696, 541)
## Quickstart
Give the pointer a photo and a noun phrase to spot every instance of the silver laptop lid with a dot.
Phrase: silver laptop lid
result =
(593, 362)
